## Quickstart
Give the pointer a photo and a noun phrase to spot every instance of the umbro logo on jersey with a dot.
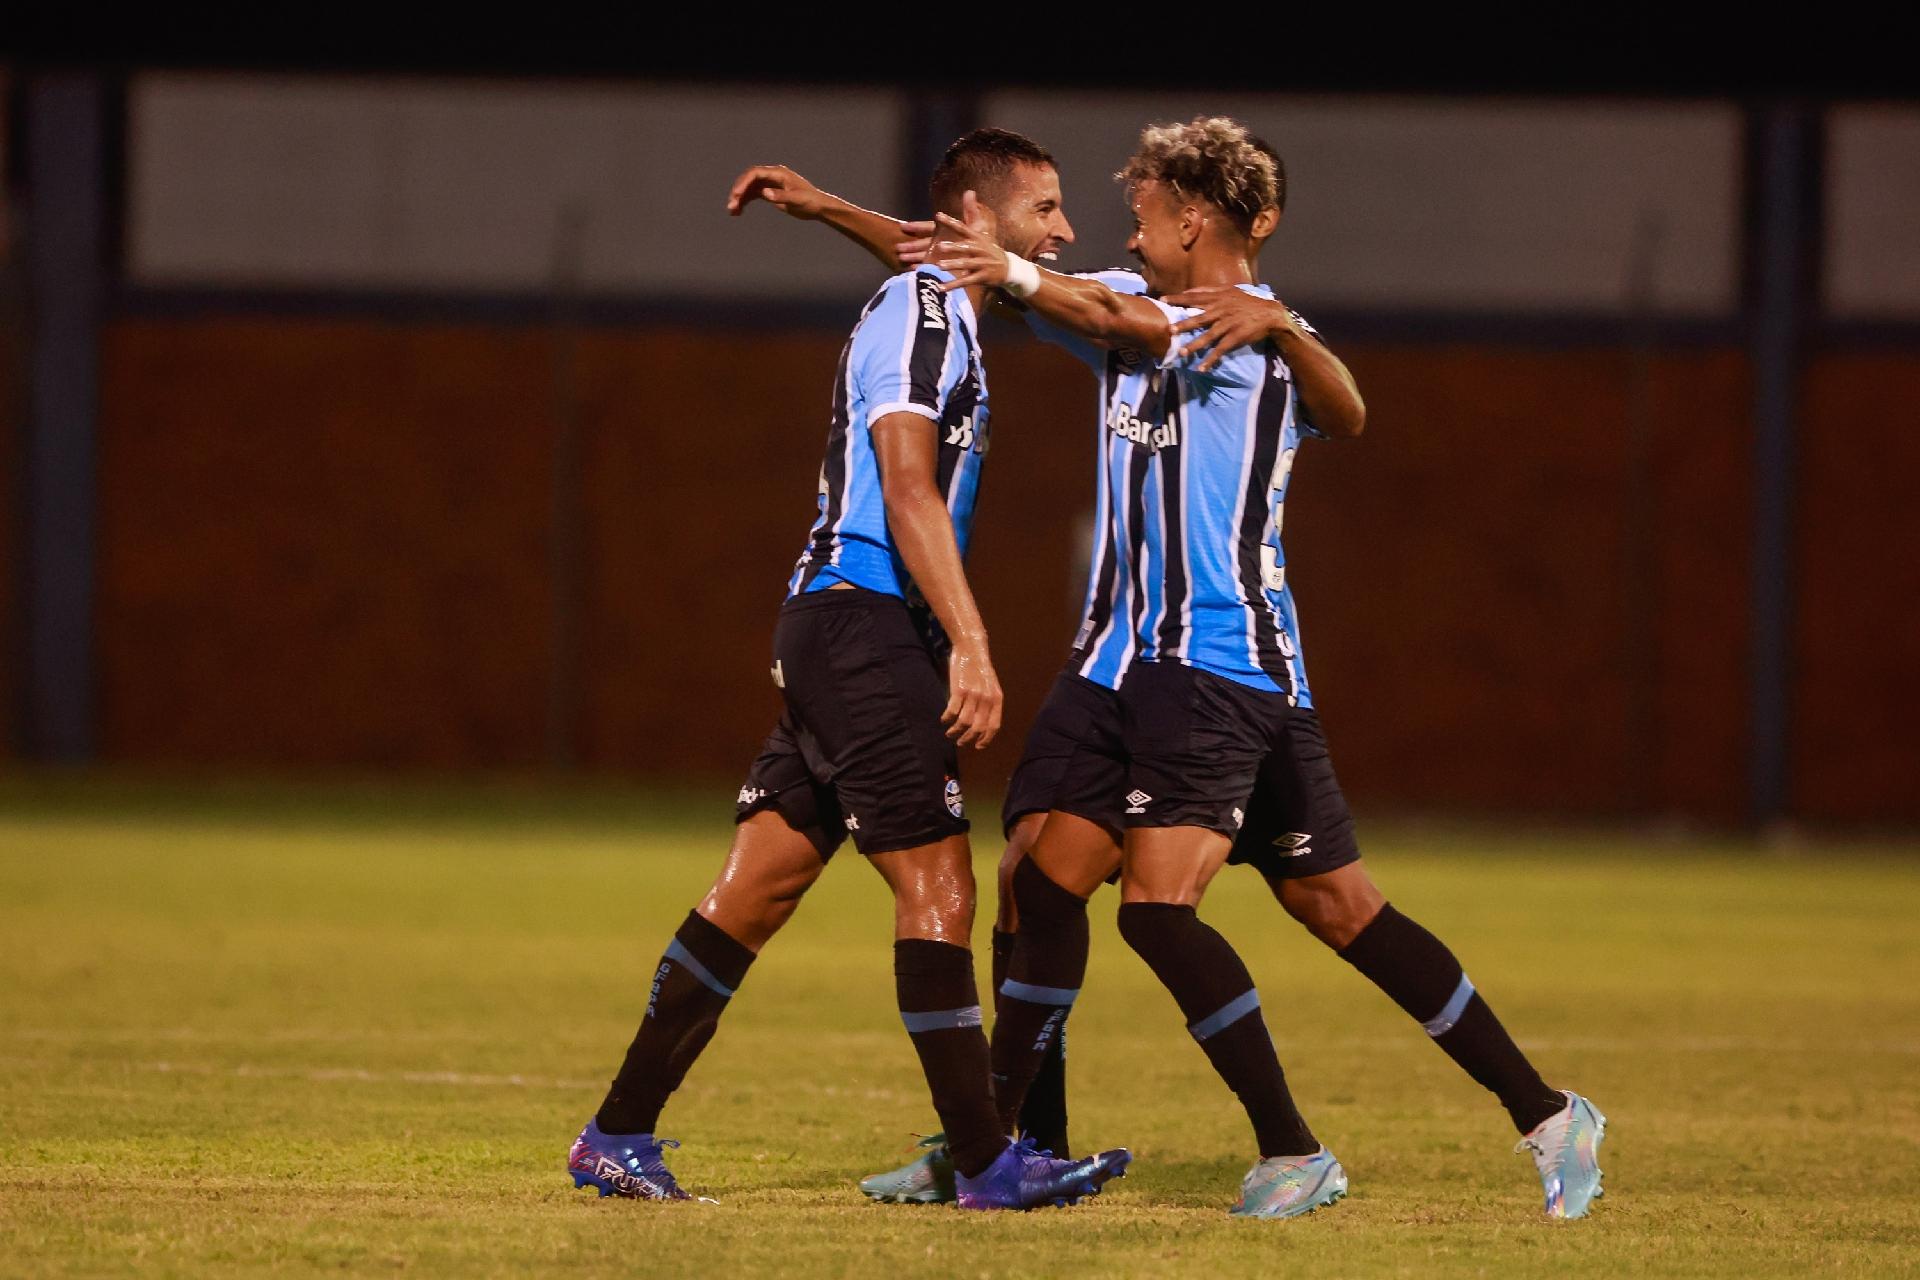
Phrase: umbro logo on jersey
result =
(1137, 801)
(1294, 844)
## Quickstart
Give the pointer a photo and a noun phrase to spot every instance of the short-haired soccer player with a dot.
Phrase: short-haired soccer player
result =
(883, 665)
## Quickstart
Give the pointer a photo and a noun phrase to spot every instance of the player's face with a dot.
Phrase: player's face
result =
(1031, 222)
(1156, 240)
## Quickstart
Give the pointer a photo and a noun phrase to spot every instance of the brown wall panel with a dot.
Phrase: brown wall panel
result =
(323, 544)
(327, 544)
(1857, 666)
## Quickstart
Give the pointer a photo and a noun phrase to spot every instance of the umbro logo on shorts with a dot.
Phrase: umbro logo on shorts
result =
(853, 823)
(1293, 844)
(749, 795)
(1239, 818)
(1137, 801)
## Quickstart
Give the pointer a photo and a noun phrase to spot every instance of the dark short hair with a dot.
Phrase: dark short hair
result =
(982, 161)
(1265, 148)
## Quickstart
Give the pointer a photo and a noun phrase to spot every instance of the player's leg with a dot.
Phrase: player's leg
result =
(1196, 743)
(1042, 1114)
(1300, 836)
(1071, 858)
(933, 895)
(779, 849)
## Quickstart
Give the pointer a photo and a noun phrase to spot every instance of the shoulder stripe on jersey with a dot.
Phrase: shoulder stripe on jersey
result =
(928, 342)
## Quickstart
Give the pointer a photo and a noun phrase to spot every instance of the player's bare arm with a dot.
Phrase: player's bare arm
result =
(905, 447)
(1231, 317)
(798, 198)
(1079, 305)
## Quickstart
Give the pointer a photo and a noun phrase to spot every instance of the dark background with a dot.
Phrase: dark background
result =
(1596, 555)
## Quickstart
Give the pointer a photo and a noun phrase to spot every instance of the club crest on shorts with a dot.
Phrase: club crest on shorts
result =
(955, 805)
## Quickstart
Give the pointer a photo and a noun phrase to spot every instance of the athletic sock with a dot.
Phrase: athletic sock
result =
(1043, 980)
(941, 1008)
(1043, 1116)
(702, 968)
(1002, 953)
(1215, 992)
(1417, 971)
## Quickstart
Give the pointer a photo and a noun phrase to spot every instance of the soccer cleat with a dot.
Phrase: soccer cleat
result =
(927, 1179)
(1023, 1178)
(1290, 1186)
(1566, 1151)
(627, 1164)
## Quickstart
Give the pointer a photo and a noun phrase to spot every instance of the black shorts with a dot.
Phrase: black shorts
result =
(1205, 751)
(860, 750)
(1074, 760)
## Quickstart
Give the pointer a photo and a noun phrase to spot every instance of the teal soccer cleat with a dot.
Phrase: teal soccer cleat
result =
(928, 1179)
(1566, 1151)
(1290, 1186)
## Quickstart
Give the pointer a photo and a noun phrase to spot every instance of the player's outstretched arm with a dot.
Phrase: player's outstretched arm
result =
(1231, 317)
(1076, 304)
(905, 446)
(794, 196)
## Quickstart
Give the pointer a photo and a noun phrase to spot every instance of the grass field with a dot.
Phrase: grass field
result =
(302, 1030)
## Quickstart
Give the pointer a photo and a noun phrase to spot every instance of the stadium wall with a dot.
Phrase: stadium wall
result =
(326, 543)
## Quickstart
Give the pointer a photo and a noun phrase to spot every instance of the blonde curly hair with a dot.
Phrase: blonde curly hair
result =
(1210, 158)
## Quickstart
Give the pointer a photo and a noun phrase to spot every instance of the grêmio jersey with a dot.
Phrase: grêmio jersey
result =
(1186, 563)
(915, 350)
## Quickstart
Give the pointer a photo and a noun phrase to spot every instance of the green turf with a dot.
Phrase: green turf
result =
(304, 1030)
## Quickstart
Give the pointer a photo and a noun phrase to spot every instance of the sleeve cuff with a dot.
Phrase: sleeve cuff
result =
(902, 406)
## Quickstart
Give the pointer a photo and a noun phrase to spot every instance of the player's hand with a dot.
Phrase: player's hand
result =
(967, 248)
(780, 187)
(920, 246)
(1229, 318)
(974, 704)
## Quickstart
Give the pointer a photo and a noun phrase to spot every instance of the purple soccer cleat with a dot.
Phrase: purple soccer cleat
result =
(626, 1164)
(1023, 1178)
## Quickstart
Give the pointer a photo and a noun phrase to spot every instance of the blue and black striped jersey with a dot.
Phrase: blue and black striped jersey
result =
(915, 350)
(1187, 564)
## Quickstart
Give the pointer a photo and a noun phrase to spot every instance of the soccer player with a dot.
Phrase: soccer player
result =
(1222, 750)
(883, 665)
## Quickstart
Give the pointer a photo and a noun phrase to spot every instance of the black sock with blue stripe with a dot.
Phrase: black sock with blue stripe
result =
(1422, 976)
(699, 973)
(940, 1006)
(1215, 992)
(1043, 979)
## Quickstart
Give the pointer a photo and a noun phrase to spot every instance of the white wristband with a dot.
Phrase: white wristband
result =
(1023, 278)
